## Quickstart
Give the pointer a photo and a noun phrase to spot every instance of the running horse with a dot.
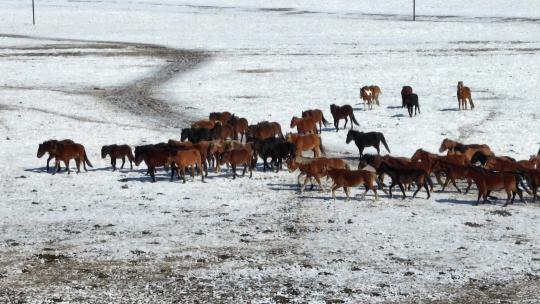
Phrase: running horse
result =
(464, 94)
(455, 147)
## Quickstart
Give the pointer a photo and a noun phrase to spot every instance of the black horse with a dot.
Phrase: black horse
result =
(195, 135)
(277, 149)
(402, 176)
(411, 101)
(369, 139)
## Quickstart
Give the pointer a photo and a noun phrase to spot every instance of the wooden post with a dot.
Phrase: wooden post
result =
(33, 14)
(413, 10)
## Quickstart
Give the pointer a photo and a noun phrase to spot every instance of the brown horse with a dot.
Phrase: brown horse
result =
(118, 151)
(240, 126)
(455, 147)
(302, 143)
(202, 146)
(238, 157)
(222, 117)
(222, 131)
(401, 176)
(487, 181)
(67, 151)
(427, 161)
(204, 123)
(342, 112)
(370, 94)
(179, 160)
(464, 94)
(453, 172)
(533, 179)
(46, 147)
(304, 125)
(352, 178)
(405, 91)
(314, 168)
(264, 130)
(154, 156)
(317, 115)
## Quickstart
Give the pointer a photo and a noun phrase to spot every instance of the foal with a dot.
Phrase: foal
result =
(118, 151)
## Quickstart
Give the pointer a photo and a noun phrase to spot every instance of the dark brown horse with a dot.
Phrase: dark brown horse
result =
(46, 147)
(464, 94)
(317, 115)
(222, 117)
(222, 131)
(406, 90)
(342, 112)
(264, 129)
(154, 156)
(204, 123)
(118, 151)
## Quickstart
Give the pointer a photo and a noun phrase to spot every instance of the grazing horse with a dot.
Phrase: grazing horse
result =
(369, 139)
(314, 168)
(302, 143)
(47, 146)
(352, 178)
(204, 123)
(402, 176)
(118, 151)
(370, 94)
(411, 101)
(154, 156)
(406, 90)
(304, 125)
(222, 117)
(317, 115)
(238, 157)
(464, 94)
(180, 159)
(240, 126)
(263, 130)
(342, 112)
(196, 135)
(65, 152)
(487, 181)
(455, 147)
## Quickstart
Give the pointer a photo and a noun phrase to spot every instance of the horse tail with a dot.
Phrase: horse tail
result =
(383, 140)
(321, 146)
(86, 160)
(353, 119)
(429, 181)
(325, 122)
(471, 102)
(519, 181)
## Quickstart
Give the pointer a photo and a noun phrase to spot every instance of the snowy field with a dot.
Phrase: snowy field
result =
(135, 72)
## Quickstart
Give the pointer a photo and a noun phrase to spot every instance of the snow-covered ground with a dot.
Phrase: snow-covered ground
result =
(115, 237)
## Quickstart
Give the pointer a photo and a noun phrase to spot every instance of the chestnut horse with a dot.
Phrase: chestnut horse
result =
(204, 123)
(464, 94)
(455, 147)
(314, 168)
(46, 147)
(311, 142)
(304, 125)
(222, 117)
(67, 151)
(240, 126)
(180, 159)
(487, 181)
(406, 90)
(317, 115)
(263, 130)
(237, 157)
(352, 178)
(342, 112)
(118, 151)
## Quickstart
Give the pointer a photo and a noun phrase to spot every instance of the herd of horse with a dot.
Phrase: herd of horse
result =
(226, 139)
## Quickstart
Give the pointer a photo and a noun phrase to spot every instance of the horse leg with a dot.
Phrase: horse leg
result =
(48, 160)
(123, 162)
(66, 162)
(346, 121)
(113, 163)
(304, 185)
(245, 168)
(78, 164)
(469, 185)
(390, 188)
(455, 185)
(402, 190)
(183, 172)
(417, 189)
(336, 124)
(378, 149)
(334, 187)
(173, 168)
(318, 180)
(151, 169)
(346, 189)
(56, 165)
(234, 170)
(508, 197)
(199, 170)
(427, 190)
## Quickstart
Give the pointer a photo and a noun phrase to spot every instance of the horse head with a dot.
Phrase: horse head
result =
(350, 136)
(185, 134)
(104, 151)
(445, 145)
(41, 150)
(294, 121)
